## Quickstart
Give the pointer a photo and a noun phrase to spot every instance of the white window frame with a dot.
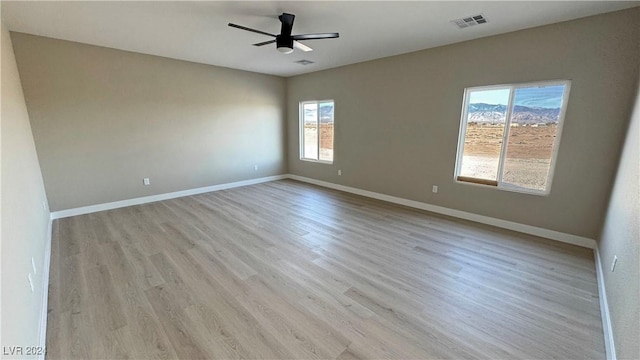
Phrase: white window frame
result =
(463, 130)
(301, 128)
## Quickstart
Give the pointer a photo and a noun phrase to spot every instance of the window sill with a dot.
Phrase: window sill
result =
(317, 161)
(510, 188)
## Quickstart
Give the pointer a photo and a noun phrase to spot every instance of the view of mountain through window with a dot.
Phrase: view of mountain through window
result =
(316, 130)
(510, 133)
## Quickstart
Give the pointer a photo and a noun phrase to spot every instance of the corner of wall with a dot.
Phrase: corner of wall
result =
(26, 221)
(620, 290)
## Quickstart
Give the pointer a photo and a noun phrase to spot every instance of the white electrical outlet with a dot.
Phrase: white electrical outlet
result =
(255, 167)
(146, 181)
(435, 189)
(339, 172)
(33, 265)
(613, 263)
(30, 282)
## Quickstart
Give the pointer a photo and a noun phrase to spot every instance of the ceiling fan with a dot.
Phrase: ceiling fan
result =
(285, 42)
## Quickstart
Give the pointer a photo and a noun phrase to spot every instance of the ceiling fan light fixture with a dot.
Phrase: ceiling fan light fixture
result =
(284, 44)
(285, 50)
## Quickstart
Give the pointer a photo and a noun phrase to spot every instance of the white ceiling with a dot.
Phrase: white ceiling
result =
(198, 31)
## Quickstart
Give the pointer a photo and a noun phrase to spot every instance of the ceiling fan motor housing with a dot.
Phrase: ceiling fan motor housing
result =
(284, 42)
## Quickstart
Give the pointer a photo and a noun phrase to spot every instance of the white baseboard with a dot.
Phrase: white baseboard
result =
(42, 335)
(527, 229)
(153, 198)
(609, 344)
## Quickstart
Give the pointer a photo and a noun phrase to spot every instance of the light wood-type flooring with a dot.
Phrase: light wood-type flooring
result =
(286, 270)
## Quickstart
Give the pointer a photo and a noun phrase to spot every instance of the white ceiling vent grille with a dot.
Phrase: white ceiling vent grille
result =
(304, 62)
(470, 21)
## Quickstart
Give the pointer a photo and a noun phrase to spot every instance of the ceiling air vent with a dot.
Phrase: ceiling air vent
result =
(470, 21)
(304, 62)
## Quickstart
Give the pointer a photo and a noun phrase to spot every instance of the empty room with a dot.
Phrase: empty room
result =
(320, 180)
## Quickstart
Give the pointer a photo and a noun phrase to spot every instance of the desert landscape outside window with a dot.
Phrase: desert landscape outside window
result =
(316, 130)
(509, 135)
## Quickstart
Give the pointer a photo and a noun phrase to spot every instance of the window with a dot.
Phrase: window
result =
(316, 131)
(509, 135)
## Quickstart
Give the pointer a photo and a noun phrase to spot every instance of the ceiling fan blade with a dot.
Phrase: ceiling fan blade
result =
(264, 43)
(250, 29)
(301, 46)
(287, 23)
(315, 36)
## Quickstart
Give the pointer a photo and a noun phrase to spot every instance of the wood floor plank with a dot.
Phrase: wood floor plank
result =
(144, 271)
(148, 338)
(216, 309)
(105, 298)
(70, 245)
(181, 293)
(296, 330)
(77, 339)
(287, 270)
(103, 230)
(72, 291)
(118, 344)
(185, 342)
(436, 343)
(221, 313)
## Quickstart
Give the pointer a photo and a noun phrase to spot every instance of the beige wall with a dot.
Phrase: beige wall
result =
(104, 119)
(397, 118)
(24, 220)
(621, 238)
